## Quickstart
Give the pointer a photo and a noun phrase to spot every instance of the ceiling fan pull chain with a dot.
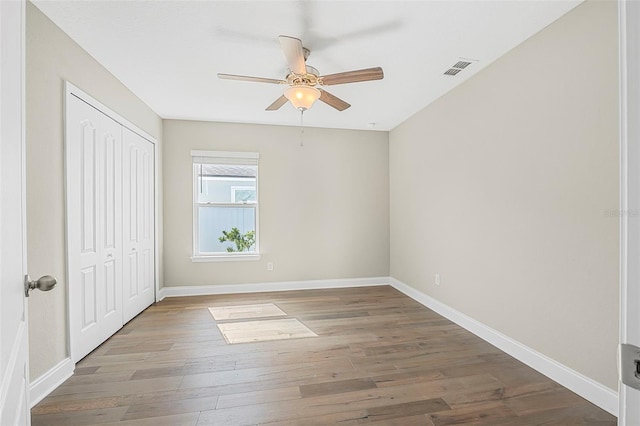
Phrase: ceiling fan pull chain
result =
(301, 128)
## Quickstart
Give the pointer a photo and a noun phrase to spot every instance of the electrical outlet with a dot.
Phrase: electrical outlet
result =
(269, 266)
(437, 279)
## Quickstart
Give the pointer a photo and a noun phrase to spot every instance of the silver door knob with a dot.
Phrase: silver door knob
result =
(44, 283)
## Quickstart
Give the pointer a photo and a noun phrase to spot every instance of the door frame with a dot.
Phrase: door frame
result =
(72, 90)
(629, 72)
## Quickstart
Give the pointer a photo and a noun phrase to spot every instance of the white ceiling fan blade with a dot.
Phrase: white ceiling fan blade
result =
(292, 49)
(248, 78)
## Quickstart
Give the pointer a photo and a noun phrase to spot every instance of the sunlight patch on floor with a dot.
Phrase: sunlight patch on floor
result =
(260, 331)
(246, 311)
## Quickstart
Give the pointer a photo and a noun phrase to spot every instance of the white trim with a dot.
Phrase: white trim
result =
(71, 89)
(225, 154)
(629, 84)
(196, 254)
(49, 381)
(156, 228)
(595, 392)
(223, 178)
(623, 163)
(239, 257)
(267, 287)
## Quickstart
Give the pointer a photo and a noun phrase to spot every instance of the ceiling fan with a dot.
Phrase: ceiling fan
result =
(303, 80)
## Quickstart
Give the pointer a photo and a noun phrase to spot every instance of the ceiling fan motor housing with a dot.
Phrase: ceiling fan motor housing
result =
(309, 79)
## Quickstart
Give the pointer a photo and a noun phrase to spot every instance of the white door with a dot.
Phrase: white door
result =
(138, 223)
(94, 225)
(629, 413)
(14, 366)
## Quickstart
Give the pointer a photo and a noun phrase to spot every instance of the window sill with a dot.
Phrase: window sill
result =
(226, 258)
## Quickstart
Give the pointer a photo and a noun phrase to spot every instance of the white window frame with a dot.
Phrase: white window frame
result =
(224, 157)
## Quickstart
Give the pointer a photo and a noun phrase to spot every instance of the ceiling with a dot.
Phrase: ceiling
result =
(169, 52)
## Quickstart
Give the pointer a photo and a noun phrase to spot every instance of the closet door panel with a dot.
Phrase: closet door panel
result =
(139, 216)
(111, 284)
(131, 281)
(111, 222)
(88, 183)
(89, 291)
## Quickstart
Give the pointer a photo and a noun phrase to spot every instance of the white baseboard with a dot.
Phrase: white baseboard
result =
(266, 287)
(589, 389)
(45, 384)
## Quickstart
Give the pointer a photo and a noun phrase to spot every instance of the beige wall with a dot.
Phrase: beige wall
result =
(324, 207)
(53, 57)
(502, 185)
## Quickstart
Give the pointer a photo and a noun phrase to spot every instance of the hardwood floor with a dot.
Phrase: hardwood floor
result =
(379, 357)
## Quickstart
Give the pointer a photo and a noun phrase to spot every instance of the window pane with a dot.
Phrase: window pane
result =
(243, 194)
(214, 220)
(226, 184)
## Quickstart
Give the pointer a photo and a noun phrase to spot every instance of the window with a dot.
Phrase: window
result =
(225, 210)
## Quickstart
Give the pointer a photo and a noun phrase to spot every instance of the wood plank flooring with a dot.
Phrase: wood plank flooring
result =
(379, 357)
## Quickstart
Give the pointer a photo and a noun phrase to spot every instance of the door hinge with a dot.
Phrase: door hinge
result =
(630, 365)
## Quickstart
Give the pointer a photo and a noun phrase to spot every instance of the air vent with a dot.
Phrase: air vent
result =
(462, 65)
(459, 66)
(452, 71)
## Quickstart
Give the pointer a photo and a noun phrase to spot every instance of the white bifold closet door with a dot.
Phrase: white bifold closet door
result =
(94, 226)
(138, 196)
(110, 225)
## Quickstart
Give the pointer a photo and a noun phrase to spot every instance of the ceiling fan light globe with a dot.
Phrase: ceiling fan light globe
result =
(302, 97)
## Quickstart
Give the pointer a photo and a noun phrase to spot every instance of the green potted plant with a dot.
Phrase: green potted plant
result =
(243, 242)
